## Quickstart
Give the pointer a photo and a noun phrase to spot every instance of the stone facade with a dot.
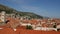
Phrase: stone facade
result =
(2, 16)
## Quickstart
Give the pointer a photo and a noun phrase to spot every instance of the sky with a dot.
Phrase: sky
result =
(47, 8)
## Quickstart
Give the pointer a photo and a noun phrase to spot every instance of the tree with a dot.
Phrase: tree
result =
(29, 27)
(54, 25)
(58, 29)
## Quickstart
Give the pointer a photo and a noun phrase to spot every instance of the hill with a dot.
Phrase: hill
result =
(9, 10)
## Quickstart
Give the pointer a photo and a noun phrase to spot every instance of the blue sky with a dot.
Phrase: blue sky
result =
(48, 8)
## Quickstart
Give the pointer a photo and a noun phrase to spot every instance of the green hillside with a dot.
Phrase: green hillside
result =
(21, 13)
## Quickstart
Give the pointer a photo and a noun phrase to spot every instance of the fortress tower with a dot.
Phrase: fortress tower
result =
(3, 14)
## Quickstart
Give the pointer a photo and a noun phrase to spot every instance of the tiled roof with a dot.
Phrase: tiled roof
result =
(24, 31)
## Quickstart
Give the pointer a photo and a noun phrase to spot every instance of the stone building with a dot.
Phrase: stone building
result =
(2, 16)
